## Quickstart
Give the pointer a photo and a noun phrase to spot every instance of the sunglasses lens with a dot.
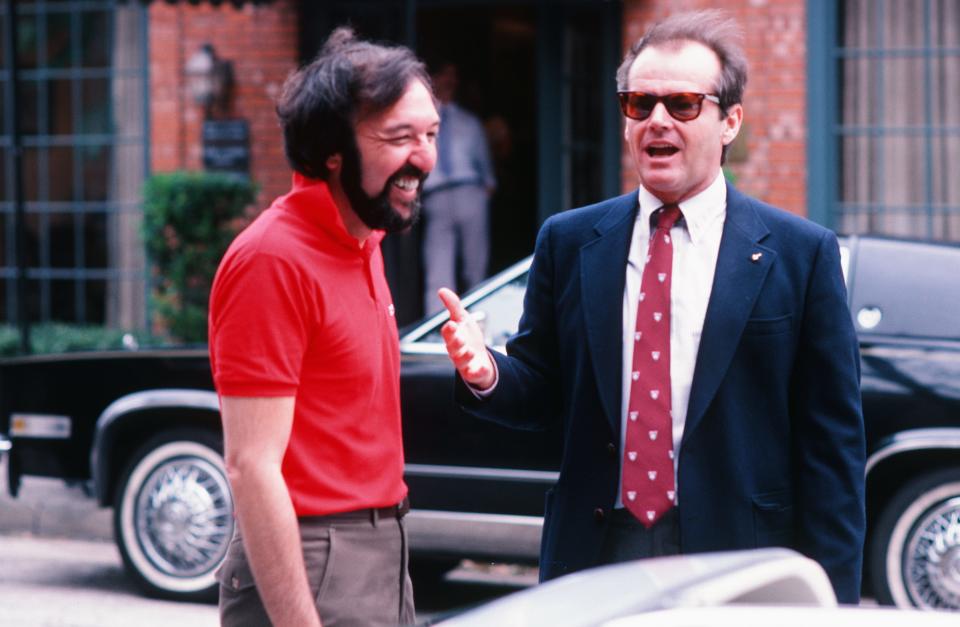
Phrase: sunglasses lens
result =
(637, 105)
(683, 106)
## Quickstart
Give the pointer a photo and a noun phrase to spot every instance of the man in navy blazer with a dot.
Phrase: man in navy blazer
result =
(765, 406)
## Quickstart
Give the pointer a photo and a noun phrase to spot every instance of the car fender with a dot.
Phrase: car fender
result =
(912, 441)
(129, 407)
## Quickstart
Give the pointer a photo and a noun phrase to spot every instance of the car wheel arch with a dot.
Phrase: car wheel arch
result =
(131, 420)
(904, 455)
(893, 472)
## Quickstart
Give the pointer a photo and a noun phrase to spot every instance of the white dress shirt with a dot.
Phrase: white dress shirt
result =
(696, 244)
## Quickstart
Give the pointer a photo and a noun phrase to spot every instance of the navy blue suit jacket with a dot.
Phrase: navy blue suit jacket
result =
(773, 447)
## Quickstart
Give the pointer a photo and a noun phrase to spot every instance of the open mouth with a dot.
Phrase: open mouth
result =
(408, 179)
(662, 150)
(407, 183)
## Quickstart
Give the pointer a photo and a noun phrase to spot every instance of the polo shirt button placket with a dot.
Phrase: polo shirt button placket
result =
(368, 274)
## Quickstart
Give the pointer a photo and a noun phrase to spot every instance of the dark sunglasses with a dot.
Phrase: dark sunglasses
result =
(683, 106)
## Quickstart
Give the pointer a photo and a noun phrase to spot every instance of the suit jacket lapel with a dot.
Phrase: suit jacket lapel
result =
(736, 284)
(603, 264)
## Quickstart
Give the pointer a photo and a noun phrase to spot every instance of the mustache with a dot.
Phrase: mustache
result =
(408, 170)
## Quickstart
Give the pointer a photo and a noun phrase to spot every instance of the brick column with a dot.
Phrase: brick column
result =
(261, 42)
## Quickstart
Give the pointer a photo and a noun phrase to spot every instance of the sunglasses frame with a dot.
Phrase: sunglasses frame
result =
(623, 97)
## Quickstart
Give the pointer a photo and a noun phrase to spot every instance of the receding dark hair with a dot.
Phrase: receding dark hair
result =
(713, 28)
(321, 102)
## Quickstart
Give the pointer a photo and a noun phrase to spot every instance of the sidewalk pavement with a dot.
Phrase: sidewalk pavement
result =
(50, 508)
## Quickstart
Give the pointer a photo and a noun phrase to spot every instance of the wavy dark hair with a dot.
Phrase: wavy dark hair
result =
(320, 103)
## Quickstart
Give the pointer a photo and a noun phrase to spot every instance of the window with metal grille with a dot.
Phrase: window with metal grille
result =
(82, 117)
(899, 123)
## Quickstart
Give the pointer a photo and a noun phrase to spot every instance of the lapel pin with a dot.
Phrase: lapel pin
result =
(755, 257)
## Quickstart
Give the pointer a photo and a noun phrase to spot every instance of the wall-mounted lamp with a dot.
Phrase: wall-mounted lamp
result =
(209, 78)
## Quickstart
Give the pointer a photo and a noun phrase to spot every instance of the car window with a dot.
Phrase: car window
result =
(905, 289)
(498, 313)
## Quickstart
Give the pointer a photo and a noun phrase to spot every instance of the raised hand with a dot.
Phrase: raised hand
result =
(465, 345)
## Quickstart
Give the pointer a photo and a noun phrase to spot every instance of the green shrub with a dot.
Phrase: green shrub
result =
(63, 338)
(189, 219)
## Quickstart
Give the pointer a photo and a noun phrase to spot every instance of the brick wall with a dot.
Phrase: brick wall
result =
(261, 42)
(771, 164)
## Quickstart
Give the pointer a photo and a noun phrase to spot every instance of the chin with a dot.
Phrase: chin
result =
(660, 186)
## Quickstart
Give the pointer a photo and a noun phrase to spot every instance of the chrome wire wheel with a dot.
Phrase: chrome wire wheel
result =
(183, 517)
(174, 518)
(931, 562)
(916, 548)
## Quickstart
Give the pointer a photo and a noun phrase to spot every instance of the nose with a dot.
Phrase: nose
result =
(659, 116)
(424, 155)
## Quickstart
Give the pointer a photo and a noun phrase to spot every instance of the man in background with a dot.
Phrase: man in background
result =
(456, 197)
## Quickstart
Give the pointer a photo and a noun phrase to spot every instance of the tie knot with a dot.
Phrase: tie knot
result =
(669, 214)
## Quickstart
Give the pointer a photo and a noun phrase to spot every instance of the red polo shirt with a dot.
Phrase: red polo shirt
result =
(299, 308)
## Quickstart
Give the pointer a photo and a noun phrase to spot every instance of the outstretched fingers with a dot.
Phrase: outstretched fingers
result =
(465, 343)
(458, 349)
(452, 302)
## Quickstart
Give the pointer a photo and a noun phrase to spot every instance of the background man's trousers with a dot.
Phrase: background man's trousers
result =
(457, 226)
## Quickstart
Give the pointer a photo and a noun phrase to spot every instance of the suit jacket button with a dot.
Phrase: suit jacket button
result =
(599, 514)
(612, 450)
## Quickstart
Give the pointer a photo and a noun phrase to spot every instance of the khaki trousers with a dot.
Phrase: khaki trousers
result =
(356, 567)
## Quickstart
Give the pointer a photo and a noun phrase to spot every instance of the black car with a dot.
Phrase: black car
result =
(143, 428)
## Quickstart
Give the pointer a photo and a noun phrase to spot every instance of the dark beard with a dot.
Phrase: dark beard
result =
(377, 212)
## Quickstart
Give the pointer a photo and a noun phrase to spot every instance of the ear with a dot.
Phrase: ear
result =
(334, 162)
(731, 124)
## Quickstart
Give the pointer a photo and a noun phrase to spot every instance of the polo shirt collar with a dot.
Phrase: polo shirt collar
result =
(310, 199)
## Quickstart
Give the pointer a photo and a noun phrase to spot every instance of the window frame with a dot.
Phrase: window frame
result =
(42, 274)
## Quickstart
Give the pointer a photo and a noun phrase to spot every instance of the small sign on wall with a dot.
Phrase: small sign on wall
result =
(226, 146)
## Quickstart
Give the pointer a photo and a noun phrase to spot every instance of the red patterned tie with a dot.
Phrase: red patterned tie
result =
(648, 486)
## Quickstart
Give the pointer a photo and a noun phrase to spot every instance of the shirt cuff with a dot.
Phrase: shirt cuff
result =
(482, 394)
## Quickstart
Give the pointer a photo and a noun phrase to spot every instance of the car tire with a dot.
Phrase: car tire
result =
(173, 515)
(915, 549)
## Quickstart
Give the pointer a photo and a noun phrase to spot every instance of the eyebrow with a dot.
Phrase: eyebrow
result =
(399, 128)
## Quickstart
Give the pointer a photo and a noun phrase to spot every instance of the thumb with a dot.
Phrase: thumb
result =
(452, 302)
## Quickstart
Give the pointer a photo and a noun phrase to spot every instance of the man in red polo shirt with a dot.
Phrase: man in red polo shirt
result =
(305, 355)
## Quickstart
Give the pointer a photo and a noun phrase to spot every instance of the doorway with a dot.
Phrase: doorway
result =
(494, 50)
